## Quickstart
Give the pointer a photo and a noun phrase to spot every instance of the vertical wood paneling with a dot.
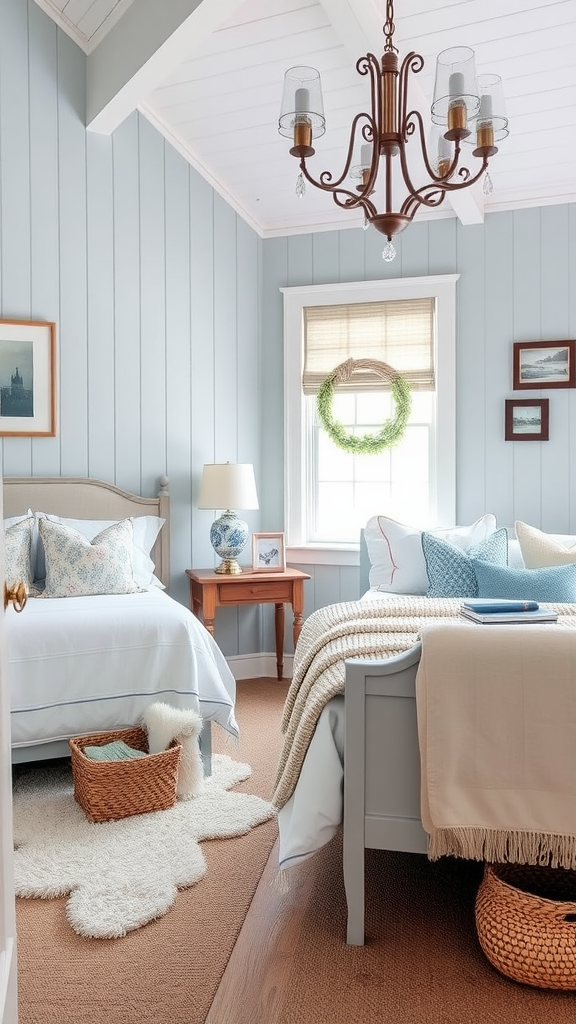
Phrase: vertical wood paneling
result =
(178, 365)
(170, 317)
(527, 455)
(73, 329)
(325, 257)
(126, 260)
(571, 439)
(499, 268)
(154, 285)
(152, 303)
(100, 292)
(15, 259)
(470, 373)
(275, 275)
(202, 379)
(45, 257)
(554, 311)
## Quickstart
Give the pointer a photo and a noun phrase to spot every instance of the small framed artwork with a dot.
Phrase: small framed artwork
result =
(526, 419)
(544, 364)
(268, 552)
(27, 378)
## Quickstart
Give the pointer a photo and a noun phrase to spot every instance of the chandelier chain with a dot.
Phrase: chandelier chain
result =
(389, 28)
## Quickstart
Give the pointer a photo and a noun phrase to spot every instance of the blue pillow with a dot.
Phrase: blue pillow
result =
(451, 571)
(554, 584)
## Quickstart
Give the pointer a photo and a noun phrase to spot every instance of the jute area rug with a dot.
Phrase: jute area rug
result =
(169, 970)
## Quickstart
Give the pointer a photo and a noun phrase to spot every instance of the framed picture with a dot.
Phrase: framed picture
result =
(544, 364)
(27, 378)
(526, 419)
(268, 552)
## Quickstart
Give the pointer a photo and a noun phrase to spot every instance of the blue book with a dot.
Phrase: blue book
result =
(486, 605)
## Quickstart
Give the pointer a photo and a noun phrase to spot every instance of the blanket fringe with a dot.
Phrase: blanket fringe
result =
(499, 847)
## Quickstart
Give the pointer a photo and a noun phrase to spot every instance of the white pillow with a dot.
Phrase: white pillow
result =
(145, 532)
(77, 567)
(541, 550)
(396, 556)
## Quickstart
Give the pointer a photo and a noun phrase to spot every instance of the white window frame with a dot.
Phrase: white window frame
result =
(443, 289)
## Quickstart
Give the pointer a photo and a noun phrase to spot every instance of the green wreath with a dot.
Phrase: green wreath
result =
(391, 432)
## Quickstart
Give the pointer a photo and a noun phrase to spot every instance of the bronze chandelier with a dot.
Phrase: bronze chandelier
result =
(465, 108)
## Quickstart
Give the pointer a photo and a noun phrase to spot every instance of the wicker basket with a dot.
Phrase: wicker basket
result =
(107, 790)
(526, 923)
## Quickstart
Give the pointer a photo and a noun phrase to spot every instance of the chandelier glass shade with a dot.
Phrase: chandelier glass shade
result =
(465, 109)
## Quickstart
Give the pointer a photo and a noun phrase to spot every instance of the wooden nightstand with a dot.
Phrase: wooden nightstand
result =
(210, 590)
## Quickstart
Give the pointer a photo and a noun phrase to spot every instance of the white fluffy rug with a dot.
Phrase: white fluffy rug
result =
(121, 874)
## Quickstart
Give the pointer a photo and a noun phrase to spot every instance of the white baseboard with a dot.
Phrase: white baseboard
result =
(256, 666)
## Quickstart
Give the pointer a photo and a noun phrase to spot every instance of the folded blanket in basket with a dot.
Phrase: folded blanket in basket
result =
(117, 750)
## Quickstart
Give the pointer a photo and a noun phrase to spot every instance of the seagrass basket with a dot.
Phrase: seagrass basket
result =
(107, 790)
(526, 923)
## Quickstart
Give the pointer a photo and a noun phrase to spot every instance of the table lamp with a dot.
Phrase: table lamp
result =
(228, 486)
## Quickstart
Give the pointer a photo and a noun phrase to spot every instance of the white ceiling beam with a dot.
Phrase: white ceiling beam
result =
(142, 50)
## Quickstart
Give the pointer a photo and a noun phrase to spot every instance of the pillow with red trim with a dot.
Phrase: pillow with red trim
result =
(395, 551)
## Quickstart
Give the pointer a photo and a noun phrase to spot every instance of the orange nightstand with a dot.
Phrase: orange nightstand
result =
(210, 590)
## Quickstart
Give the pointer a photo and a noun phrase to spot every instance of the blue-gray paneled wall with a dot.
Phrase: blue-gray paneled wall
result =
(155, 286)
(161, 294)
(517, 274)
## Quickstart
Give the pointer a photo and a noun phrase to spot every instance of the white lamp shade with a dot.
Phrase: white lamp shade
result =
(228, 485)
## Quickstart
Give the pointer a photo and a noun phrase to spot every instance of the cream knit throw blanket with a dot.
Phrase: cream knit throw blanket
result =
(497, 736)
(351, 629)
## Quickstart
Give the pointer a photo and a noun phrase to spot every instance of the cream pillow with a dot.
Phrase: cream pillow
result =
(395, 551)
(77, 567)
(17, 551)
(540, 550)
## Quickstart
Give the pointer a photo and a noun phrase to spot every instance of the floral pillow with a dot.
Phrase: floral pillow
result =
(17, 552)
(77, 567)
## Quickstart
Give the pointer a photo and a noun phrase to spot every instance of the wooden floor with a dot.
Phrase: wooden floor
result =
(254, 986)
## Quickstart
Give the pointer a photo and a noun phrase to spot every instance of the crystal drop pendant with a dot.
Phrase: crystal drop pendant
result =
(366, 224)
(388, 252)
(487, 185)
(300, 186)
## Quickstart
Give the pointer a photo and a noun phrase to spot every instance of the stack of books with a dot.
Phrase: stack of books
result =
(482, 609)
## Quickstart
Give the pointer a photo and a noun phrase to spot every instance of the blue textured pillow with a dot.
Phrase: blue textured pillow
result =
(554, 584)
(451, 570)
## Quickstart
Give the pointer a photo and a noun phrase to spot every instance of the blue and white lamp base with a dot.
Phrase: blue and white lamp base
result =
(229, 535)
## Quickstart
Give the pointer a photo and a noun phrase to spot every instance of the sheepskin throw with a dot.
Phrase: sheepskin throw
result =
(163, 724)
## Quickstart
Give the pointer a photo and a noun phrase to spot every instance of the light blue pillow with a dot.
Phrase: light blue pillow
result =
(451, 570)
(553, 584)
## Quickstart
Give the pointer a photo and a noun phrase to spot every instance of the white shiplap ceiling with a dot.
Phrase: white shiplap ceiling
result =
(209, 74)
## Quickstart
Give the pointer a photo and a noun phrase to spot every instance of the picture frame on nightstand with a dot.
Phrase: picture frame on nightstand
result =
(268, 552)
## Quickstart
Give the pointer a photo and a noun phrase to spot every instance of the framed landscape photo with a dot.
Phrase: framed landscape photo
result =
(27, 378)
(544, 364)
(526, 419)
(268, 552)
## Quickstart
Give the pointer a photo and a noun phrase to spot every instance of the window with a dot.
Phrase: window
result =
(330, 493)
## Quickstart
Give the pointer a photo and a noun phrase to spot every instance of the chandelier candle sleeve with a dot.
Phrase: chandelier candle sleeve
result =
(390, 130)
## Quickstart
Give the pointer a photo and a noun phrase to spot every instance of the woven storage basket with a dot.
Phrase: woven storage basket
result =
(526, 923)
(107, 790)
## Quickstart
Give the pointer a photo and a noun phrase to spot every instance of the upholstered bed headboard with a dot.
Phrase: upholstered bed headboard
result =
(85, 498)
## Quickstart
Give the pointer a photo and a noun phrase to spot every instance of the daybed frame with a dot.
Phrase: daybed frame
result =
(381, 766)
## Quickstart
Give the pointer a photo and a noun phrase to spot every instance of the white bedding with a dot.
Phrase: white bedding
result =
(313, 814)
(88, 664)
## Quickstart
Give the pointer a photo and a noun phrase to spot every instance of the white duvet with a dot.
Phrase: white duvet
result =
(87, 664)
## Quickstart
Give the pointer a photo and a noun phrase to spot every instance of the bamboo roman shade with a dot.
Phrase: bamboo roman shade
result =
(399, 332)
